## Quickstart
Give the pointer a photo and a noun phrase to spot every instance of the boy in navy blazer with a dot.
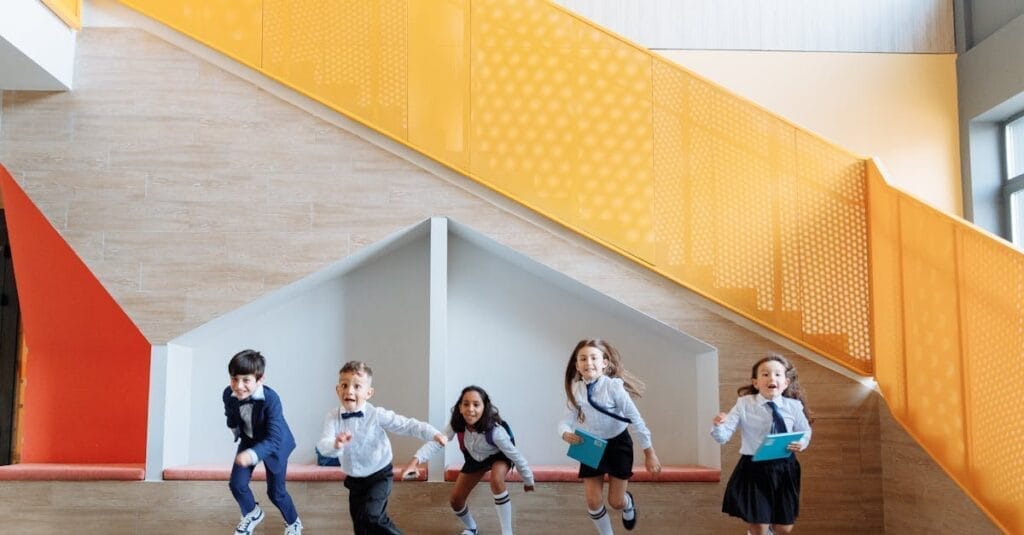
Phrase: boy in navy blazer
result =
(255, 416)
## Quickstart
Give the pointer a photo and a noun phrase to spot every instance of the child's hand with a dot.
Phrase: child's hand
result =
(411, 470)
(527, 488)
(343, 438)
(243, 459)
(440, 439)
(651, 461)
(795, 446)
(571, 438)
(720, 418)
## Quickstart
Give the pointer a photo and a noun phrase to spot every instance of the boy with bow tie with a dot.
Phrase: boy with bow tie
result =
(355, 433)
(255, 416)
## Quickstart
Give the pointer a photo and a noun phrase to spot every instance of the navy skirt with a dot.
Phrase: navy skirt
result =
(764, 492)
(616, 461)
(472, 465)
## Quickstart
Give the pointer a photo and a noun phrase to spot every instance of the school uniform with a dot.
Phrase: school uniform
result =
(366, 460)
(479, 454)
(763, 492)
(260, 428)
(608, 411)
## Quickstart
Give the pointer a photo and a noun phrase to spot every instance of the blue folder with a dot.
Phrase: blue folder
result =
(588, 452)
(774, 446)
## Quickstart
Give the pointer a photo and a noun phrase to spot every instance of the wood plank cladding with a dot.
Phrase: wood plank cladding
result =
(189, 192)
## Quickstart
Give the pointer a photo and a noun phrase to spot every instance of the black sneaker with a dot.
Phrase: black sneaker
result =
(630, 524)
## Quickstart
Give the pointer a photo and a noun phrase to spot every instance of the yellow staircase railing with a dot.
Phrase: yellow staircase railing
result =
(680, 175)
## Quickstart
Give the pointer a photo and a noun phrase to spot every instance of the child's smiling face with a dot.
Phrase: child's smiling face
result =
(353, 390)
(771, 380)
(591, 363)
(471, 407)
(244, 386)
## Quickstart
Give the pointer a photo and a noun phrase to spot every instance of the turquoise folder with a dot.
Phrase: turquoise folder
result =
(588, 452)
(774, 446)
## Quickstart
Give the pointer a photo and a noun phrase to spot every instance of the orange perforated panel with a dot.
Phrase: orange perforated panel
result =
(935, 408)
(704, 187)
(887, 292)
(992, 286)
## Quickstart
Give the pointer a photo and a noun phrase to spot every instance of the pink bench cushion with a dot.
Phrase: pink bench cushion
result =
(296, 472)
(562, 473)
(72, 472)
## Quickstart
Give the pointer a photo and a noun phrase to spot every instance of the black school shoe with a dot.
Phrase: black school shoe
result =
(630, 524)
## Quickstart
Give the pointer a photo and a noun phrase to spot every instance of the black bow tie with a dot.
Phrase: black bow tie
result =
(347, 415)
(246, 401)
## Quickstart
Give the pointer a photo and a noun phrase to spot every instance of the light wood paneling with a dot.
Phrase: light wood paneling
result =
(242, 193)
(919, 497)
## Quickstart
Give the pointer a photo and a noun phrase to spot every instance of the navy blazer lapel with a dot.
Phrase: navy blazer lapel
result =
(258, 416)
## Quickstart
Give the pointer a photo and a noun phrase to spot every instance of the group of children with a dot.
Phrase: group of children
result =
(599, 400)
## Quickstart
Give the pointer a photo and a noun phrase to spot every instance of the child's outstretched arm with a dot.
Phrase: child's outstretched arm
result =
(426, 451)
(503, 442)
(403, 425)
(651, 461)
(724, 425)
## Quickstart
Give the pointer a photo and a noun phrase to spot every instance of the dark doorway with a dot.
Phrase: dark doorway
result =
(9, 315)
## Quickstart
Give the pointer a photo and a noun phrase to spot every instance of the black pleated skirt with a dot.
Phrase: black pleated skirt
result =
(764, 492)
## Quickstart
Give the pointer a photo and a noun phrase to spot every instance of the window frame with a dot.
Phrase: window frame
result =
(1009, 184)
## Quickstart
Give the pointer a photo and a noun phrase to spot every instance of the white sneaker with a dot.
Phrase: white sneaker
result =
(249, 521)
(295, 528)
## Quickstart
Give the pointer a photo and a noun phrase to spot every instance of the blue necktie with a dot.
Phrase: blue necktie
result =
(347, 415)
(602, 410)
(778, 424)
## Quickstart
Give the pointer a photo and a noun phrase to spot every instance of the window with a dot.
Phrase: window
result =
(1013, 186)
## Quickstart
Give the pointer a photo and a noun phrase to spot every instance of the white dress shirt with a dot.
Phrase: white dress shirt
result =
(370, 449)
(611, 395)
(480, 449)
(245, 411)
(754, 418)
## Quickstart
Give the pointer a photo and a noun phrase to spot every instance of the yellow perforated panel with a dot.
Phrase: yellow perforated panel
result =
(934, 374)
(993, 316)
(702, 186)
(887, 292)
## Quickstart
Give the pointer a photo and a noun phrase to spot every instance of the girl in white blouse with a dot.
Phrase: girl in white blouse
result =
(487, 444)
(766, 494)
(598, 392)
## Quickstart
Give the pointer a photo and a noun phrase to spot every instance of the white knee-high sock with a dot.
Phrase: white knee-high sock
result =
(601, 521)
(503, 504)
(628, 512)
(466, 517)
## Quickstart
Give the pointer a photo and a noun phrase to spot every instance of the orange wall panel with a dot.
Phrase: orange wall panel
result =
(87, 377)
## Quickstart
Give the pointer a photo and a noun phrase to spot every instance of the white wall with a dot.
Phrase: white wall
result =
(913, 26)
(37, 49)
(512, 326)
(901, 108)
(370, 307)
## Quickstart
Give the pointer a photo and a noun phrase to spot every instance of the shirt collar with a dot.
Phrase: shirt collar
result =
(761, 400)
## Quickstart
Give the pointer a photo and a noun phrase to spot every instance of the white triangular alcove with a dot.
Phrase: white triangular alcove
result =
(431, 308)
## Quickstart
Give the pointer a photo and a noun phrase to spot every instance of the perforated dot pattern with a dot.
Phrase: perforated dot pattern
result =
(994, 320)
(934, 397)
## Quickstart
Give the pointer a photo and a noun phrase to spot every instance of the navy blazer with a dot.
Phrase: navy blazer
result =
(272, 440)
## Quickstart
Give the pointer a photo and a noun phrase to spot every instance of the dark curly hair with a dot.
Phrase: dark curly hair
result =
(488, 419)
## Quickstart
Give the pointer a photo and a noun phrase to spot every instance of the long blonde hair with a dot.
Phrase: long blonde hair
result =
(632, 383)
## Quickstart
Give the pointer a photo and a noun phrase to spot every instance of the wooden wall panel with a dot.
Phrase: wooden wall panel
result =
(243, 193)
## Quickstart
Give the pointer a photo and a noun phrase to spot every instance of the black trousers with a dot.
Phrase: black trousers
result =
(368, 503)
